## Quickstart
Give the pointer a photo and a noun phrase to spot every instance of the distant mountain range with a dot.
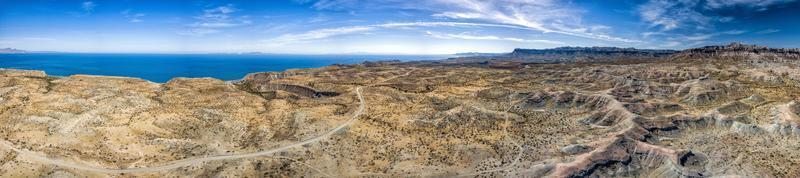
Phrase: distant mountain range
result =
(569, 54)
(587, 54)
(610, 54)
(11, 51)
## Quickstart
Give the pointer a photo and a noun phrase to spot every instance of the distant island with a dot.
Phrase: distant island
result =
(12, 51)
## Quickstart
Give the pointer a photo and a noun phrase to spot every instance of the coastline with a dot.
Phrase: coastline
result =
(162, 68)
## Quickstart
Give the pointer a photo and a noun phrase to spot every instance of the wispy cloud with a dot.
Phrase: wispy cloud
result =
(319, 18)
(768, 31)
(133, 17)
(547, 16)
(211, 20)
(447, 24)
(318, 34)
(668, 15)
(464, 36)
(88, 6)
(220, 17)
(734, 32)
(699, 37)
(332, 32)
(759, 5)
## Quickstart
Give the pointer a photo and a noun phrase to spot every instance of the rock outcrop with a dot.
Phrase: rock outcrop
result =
(740, 51)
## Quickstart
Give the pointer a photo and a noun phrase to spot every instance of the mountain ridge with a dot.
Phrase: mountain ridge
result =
(569, 54)
(739, 51)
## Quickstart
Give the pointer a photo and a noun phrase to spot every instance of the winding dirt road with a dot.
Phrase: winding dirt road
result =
(184, 162)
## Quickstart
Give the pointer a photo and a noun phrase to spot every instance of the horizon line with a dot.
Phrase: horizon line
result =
(358, 53)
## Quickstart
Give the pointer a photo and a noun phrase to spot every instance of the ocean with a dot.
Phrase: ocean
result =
(163, 67)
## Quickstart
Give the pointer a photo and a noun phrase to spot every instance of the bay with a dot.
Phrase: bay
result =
(163, 67)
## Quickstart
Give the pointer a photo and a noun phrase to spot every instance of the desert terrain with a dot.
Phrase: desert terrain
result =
(713, 111)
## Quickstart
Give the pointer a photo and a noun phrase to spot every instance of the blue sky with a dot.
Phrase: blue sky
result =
(389, 26)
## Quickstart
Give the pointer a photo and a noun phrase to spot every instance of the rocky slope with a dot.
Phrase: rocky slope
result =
(661, 118)
(739, 51)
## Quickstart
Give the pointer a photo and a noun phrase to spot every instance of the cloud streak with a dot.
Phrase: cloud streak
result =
(463, 36)
(333, 32)
(88, 6)
(318, 34)
(768, 31)
(133, 17)
(541, 15)
(669, 15)
(547, 16)
(212, 20)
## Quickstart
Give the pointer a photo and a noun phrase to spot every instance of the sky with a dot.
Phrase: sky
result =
(389, 26)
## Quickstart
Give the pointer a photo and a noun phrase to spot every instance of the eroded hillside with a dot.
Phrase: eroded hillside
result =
(663, 118)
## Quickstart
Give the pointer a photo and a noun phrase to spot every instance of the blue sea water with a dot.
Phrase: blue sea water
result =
(163, 67)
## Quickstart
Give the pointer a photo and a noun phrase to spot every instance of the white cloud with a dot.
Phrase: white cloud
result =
(332, 32)
(578, 32)
(132, 17)
(547, 16)
(699, 37)
(456, 15)
(734, 32)
(88, 6)
(760, 5)
(768, 31)
(447, 24)
(317, 34)
(216, 24)
(488, 37)
(726, 19)
(319, 18)
(215, 18)
(649, 34)
(670, 15)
